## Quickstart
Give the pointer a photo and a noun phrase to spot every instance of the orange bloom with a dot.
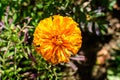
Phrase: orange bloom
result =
(57, 38)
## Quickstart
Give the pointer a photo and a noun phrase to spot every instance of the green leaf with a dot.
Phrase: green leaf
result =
(14, 17)
(8, 54)
(1, 59)
(111, 4)
(39, 6)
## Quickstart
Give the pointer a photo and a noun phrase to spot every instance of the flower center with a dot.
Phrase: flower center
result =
(57, 40)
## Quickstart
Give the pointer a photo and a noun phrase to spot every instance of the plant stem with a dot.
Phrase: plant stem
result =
(15, 66)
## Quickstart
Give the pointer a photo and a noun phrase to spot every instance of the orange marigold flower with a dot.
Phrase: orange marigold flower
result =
(57, 38)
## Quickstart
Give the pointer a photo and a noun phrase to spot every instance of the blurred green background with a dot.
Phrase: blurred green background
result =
(98, 59)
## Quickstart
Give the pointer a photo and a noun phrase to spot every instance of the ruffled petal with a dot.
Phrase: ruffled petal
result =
(57, 38)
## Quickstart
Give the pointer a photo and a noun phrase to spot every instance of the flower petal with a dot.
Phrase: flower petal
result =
(57, 38)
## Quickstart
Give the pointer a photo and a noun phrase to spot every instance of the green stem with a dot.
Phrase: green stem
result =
(15, 66)
(55, 75)
(4, 55)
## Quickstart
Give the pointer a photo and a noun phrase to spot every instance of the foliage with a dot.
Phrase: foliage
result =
(16, 58)
(18, 19)
(114, 66)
